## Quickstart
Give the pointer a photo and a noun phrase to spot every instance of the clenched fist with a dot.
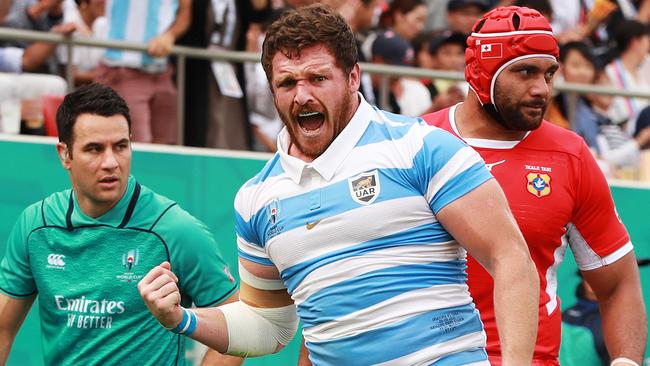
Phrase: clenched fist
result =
(161, 295)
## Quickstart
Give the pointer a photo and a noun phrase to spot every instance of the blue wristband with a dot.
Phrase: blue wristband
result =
(188, 324)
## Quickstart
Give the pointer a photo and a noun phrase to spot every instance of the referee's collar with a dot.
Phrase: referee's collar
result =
(327, 163)
(75, 217)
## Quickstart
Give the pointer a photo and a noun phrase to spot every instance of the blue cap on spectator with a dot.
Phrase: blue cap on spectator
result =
(484, 5)
(393, 49)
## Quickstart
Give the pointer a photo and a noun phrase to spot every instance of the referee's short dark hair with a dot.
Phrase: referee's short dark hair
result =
(92, 99)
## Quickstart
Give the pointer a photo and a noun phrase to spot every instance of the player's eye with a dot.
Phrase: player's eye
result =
(286, 83)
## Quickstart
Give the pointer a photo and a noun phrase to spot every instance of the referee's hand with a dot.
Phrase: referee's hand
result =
(161, 295)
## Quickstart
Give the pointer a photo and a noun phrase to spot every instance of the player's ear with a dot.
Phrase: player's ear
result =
(64, 154)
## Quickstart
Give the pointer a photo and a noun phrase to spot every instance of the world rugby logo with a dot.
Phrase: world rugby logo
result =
(365, 187)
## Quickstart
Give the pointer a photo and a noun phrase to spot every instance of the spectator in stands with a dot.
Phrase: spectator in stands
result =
(462, 14)
(577, 20)
(633, 44)
(405, 95)
(616, 150)
(447, 50)
(614, 145)
(88, 16)
(34, 56)
(577, 65)
(18, 88)
(643, 123)
(406, 18)
(542, 6)
(421, 44)
(36, 15)
(228, 126)
(264, 118)
(144, 79)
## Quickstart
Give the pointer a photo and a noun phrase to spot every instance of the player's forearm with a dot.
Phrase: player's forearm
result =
(214, 358)
(211, 329)
(516, 302)
(6, 341)
(625, 325)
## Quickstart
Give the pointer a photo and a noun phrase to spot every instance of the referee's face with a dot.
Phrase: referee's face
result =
(100, 161)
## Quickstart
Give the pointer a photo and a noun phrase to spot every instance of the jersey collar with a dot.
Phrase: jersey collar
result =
(333, 157)
(117, 216)
(484, 143)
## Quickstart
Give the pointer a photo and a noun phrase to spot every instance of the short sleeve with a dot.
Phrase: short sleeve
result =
(196, 258)
(447, 168)
(596, 234)
(16, 277)
(249, 243)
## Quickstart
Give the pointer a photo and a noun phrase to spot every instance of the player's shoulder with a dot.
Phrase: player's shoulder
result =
(271, 169)
(248, 193)
(52, 210)
(554, 138)
(152, 209)
(439, 118)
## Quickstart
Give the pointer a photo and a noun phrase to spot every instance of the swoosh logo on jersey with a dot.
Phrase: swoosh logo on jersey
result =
(311, 225)
(491, 165)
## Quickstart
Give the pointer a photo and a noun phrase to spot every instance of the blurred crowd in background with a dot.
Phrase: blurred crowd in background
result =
(230, 106)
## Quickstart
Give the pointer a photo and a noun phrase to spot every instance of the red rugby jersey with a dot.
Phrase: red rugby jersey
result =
(560, 198)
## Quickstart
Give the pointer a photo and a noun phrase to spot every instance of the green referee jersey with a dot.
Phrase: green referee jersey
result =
(85, 272)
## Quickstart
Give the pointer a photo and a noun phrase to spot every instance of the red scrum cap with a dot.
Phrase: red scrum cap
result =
(502, 36)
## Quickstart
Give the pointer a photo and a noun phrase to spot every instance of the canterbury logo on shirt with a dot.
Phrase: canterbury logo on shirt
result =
(55, 260)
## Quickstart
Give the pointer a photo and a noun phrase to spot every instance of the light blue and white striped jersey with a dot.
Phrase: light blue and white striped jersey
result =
(137, 21)
(375, 277)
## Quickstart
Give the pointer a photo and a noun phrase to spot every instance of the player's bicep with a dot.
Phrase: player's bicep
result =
(482, 223)
(261, 285)
(623, 275)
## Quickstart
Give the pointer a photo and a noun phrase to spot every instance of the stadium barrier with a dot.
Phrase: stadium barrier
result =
(182, 53)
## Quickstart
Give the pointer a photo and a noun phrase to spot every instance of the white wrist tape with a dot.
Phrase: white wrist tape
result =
(254, 331)
(258, 282)
(623, 361)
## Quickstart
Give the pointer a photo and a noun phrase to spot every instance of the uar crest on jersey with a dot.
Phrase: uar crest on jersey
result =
(365, 187)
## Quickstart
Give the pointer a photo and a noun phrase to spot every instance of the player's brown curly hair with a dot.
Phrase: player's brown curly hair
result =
(309, 26)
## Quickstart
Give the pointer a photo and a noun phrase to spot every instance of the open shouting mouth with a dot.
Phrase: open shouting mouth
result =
(311, 122)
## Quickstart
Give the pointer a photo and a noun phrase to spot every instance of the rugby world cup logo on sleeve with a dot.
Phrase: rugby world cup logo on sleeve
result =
(491, 50)
(365, 187)
(272, 210)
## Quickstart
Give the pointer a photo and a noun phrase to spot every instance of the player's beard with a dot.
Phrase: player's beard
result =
(338, 119)
(511, 113)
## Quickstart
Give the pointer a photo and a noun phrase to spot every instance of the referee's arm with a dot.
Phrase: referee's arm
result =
(12, 314)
